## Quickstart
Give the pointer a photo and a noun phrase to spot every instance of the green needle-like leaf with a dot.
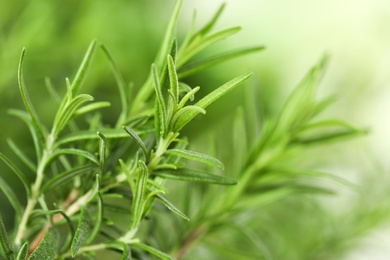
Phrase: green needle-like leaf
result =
(162, 111)
(17, 172)
(174, 82)
(121, 86)
(98, 222)
(22, 156)
(202, 43)
(66, 176)
(210, 98)
(76, 152)
(102, 152)
(192, 175)
(64, 115)
(26, 100)
(141, 144)
(12, 198)
(35, 135)
(196, 157)
(82, 232)
(171, 207)
(22, 254)
(47, 248)
(153, 251)
(4, 241)
(196, 66)
(139, 195)
(83, 69)
(91, 107)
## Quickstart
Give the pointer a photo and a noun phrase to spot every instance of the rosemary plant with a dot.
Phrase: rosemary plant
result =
(96, 189)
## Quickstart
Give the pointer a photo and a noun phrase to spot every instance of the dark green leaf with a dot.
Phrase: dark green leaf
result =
(76, 152)
(22, 254)
(171, 207)
(121, 86)
(200, 157)
(17, 171)
(47, 248)
(153, 251)
(66, 176)
(5, 243)
(35, 135)
(82, 232)
(11, 196)
(22, 156)
(141, 144)
(192, 175)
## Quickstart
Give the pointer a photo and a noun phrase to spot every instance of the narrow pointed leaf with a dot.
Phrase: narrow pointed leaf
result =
(82, 232)
(108, 133)
(76, 152)
(91, 107)
(34, 134)
(121, 86)
(12, 198)
(209, 26)
(4, 241)
(192, 175)
(22, 254)
(183, 114)
(162, 116)
(174, 82)
(189, 96)
(47, 248)
(102, 152)
(66, 176)
(26, 99)
(206, 63)
(17, 172)
(52, 91)
(139, 194)
(84, 67)
(300, 104)
(22, 156)
(171, 207)
(153, 251)
(210, 98)
(98, 222)
(206, 41)
(141, 144)
(200, 157)
(64, 115)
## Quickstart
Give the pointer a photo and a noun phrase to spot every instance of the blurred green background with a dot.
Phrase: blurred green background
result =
(296, 33)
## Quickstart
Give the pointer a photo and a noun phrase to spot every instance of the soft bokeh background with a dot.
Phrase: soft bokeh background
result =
(296, 33)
